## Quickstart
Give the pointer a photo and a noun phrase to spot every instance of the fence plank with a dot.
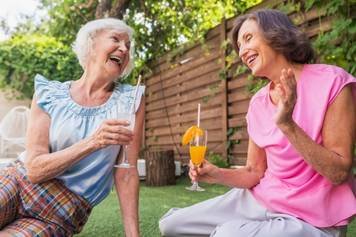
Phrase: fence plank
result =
(179, 68)
(211, 46)
(238, 95)
(183, 108)
(164, 121)
(214, 136)
(209, 66)
(240, 108)
(185, 86)
(238, 82)
(178, 129)
(224, 90)
(174, 100)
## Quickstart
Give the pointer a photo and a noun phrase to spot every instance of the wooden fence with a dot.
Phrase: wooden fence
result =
(199, 75)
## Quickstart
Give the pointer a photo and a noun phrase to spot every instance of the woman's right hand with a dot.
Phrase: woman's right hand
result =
(206, 172)
(112, 132)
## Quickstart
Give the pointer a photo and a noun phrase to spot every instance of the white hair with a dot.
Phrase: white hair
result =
(87, 32)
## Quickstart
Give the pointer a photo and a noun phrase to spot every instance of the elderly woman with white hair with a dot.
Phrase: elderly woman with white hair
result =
(74, 140)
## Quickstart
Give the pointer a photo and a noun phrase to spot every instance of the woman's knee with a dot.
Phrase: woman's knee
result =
(34, 227)
(168, 223)
(9, 199)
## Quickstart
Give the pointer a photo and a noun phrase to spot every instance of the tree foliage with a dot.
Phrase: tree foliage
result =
(65, 17)
(22, 57)
(159, 25)
(341, 37)
(163, 25)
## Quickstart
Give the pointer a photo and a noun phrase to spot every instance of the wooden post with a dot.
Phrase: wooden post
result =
(224, 91)
(143, 140)
(160, 168)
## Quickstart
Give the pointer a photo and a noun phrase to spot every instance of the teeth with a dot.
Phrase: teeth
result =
(251, 58)
(116, 59)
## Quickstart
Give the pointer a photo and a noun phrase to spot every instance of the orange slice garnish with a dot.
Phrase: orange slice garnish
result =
(190, 133)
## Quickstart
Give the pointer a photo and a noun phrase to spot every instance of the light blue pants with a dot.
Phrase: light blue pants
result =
(237, 214)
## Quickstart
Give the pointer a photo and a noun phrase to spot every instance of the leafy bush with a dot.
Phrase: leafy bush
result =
(337, 46)
(217, 160)
(23, 56)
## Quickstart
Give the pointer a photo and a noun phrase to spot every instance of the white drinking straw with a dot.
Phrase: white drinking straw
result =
(198, 122)
(136, 91)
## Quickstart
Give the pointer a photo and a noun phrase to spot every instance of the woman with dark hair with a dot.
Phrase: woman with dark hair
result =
(297, 180)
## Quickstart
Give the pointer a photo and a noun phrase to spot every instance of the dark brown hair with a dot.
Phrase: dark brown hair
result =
(280, 33)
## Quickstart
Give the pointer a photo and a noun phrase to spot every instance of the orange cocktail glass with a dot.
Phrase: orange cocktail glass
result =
(197, 150)
(197, 154)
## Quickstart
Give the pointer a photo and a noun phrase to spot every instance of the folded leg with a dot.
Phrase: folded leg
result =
(201, 219)
(29, 227)
(9, 197)
(275, 225)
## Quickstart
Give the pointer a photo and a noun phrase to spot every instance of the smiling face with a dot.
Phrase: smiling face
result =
(110, 53)
(254, 51)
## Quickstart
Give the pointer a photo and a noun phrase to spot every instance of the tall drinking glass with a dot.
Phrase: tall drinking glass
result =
(197, 150)
(130, 117)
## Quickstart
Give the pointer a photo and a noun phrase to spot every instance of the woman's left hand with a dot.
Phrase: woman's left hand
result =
(287, 92)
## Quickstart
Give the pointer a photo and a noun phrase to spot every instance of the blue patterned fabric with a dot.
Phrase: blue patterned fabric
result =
(91, 177)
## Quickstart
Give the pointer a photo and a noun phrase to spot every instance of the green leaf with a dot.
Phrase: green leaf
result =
(230, 132)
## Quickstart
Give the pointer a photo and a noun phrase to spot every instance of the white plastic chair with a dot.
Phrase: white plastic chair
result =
(13, 128)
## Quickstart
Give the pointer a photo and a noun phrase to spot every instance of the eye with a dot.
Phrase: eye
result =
(114, 38)
(248, 37)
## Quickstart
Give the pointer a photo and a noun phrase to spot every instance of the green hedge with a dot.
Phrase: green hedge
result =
(22, 57)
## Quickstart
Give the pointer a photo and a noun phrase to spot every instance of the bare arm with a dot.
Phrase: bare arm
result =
(42, 165)
(332, 159)
(127, 180)
(245, 177)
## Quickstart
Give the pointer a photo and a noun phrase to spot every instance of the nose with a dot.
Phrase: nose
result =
(123, 47)
(242, 51)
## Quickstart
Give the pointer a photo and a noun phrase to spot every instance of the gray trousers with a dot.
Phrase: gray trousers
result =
(237, 214)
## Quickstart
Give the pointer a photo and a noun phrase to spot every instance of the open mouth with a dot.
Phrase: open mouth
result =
(115, 59)
(251, 59)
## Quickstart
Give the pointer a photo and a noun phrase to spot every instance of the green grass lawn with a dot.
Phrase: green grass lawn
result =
(105, 219)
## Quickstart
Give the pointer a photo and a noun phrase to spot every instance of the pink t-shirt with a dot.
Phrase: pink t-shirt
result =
(290, 185)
